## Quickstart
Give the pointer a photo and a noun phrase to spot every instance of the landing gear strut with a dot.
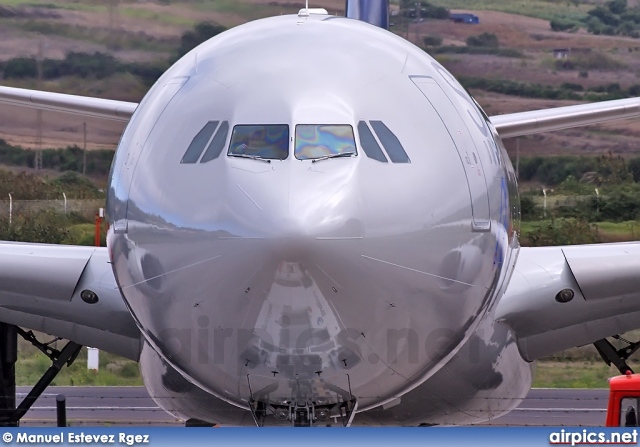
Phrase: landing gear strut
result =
(10, 415)
(8, 358)
(617, 357)
(302, 412)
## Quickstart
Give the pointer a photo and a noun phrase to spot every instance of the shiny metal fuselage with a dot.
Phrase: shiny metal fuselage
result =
(303, 281)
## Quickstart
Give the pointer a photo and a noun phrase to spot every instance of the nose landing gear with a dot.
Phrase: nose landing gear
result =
(303, 412)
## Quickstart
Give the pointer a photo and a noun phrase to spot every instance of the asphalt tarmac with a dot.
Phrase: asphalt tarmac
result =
(132, 406)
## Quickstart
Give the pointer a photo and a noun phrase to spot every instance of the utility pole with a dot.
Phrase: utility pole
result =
(418, 17)
(518, 158)
(113, 23)
(84, 149)
(38, 157)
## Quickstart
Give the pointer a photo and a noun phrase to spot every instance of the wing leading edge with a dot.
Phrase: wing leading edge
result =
(605, 281)
(41, 287)
(540, 121)
(60, 102)
(508, 125)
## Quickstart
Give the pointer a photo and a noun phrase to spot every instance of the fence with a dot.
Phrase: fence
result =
(87, 208)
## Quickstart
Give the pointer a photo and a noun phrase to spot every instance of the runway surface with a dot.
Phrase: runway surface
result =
(132, 406)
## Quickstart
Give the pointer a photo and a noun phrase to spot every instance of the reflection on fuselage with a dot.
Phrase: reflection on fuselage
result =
(300, 281)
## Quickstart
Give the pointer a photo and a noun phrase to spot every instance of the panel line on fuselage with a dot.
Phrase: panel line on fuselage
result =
(421, 272)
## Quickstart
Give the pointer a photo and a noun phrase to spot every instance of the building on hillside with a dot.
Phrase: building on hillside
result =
(561, 53)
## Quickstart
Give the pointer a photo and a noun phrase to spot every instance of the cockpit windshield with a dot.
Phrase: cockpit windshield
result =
(270, 141)
(316, 141)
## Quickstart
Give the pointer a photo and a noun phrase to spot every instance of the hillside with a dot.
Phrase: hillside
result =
(148, 33)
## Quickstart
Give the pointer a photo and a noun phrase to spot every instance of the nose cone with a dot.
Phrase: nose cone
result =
(295, 203)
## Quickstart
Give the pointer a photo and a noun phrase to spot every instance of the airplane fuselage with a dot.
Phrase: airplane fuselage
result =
(307, 211)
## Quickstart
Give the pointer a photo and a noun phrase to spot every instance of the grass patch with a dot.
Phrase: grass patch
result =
(246, 10)
(167, 18)
(585, 374)
(540, 9)
(453, 49)
(599, 231)
(114, 370)
(102, 36)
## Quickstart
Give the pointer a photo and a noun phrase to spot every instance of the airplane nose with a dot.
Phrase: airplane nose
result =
(292, 206)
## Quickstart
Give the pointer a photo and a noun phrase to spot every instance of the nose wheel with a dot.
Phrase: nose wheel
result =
(302, 412)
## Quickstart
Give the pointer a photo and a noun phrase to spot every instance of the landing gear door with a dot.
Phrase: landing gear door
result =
(467, 149)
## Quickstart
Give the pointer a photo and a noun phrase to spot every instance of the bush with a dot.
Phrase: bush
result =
(487, 40)
(620, 206)
(634, 168)
(563, 25)
(592, 60)
(20, 67)
(528, 208)
(430, 11)
(572, 86)
(432, 41)
(525, 90)
(605, 16)
(202, 32)
(563, 232)
(503, 52)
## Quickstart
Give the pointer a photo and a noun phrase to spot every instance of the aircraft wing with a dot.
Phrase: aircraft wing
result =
(59, 102)
(539, 121)
(41, 288)
(605, 280)
(508, 125)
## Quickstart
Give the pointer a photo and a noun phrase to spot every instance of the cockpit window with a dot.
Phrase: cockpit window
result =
(269, 141)
(217, 144)
(369, 143)
(315, 141)
(390, 142)
(198, 143)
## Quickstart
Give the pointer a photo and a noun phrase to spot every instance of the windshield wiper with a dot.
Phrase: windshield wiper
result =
(253, 157)
(326, 157)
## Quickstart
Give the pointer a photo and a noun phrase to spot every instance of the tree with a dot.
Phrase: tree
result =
(202, 32)
(617, 6)
(20, 67)
(487, 40)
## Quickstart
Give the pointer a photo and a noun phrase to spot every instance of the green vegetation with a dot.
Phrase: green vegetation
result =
(201, 32)
(564, 25)
(522, 89)
(588, 60)
(542, 9)
(70, 158)
(485, 40)
(23, 186)
(100, 65)
(113, 370)
(602, 170)
(83, 65)
(116, 41)
(588, 200)
(574, 374)
(566, 91)
(425, 10)
(485, 43)
(432, 41)
(454, 49)
(615, 17)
